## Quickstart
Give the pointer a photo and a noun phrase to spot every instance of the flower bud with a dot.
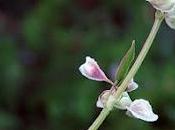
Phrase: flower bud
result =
(142, 109)
(162, 5)
(170, 18)
(132, 86)
(91, 70)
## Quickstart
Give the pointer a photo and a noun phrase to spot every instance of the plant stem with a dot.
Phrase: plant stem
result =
(99, 120)
(159, 16)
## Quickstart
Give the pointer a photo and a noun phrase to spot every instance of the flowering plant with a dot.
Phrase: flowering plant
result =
(139, 108)
(118, 95)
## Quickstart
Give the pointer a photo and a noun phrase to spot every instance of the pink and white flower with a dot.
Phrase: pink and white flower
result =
(132, 86)
(142, 109)
(162, 5)
(139, 108)
(91, 70)
(122, 104)
(167, 7)
(103, 98)
(170, 18)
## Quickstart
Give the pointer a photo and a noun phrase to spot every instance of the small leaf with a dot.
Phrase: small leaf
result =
(125, 63)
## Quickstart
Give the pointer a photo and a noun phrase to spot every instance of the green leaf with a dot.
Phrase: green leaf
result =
(125, 63)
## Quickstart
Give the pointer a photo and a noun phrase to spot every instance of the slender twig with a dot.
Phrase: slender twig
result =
(105, 112)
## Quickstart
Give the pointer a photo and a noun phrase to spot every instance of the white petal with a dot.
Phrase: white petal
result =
(162, 5)
(132, 86)
(142, 109)
(170, 18)
(102, 99)
(91, 70)
(99, 103)
(124, 102)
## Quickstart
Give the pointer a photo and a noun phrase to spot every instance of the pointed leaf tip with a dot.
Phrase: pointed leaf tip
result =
(126, 63)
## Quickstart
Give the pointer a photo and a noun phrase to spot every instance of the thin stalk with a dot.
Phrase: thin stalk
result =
(105, 112)
(99, 120)
(159, 16)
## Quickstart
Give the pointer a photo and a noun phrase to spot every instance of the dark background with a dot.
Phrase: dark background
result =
(42, 44)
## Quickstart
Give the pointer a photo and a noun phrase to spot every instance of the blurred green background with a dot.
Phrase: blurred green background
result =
(42, 44)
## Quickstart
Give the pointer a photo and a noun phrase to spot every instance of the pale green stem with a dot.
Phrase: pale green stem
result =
(105, 112)
(158, 20)
(99, 120)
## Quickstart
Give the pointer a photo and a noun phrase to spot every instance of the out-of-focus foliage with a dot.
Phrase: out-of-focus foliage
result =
(42, 44)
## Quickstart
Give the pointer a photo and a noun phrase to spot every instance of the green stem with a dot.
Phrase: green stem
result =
(99, 120)
(105, 112)
(158, 20)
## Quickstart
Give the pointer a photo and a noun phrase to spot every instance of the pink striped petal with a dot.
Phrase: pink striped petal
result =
(91, 70)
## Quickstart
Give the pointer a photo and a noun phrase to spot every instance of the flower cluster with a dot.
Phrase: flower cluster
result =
(168, 7)
(138, 108)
